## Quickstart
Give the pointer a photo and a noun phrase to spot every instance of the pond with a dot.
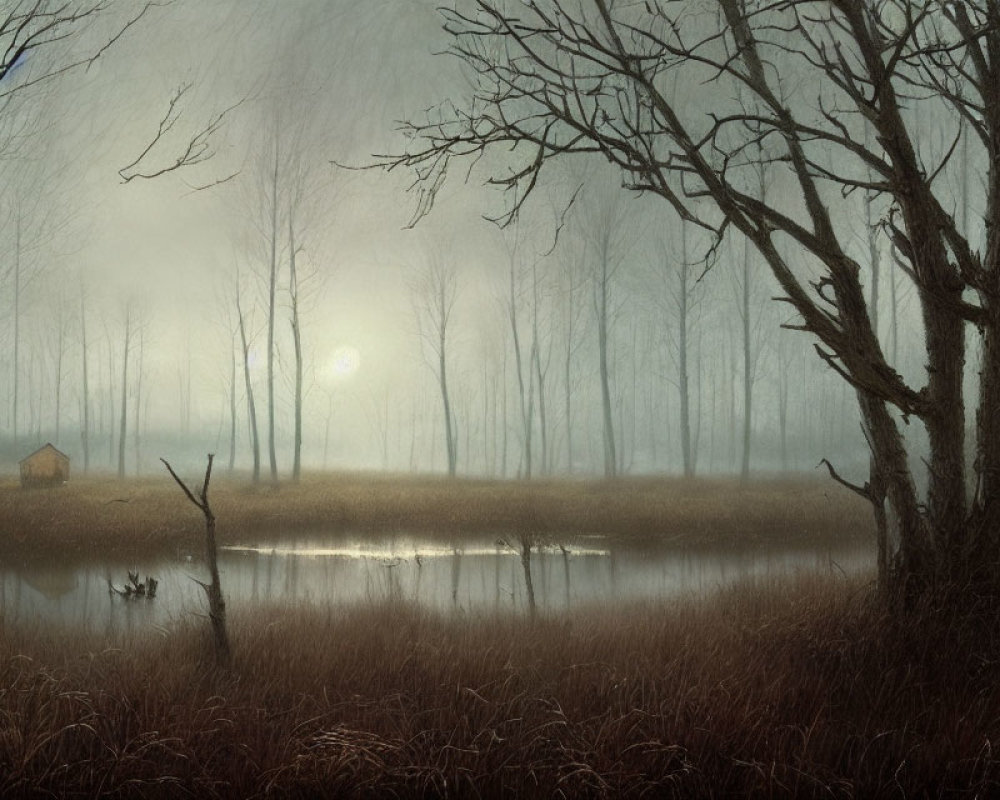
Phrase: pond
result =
(476, 574)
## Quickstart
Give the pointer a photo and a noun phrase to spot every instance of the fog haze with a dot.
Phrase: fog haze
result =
(330, 80)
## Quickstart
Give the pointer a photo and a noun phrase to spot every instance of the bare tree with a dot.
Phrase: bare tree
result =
(303, 285)
(28, 231)
(17, 321)
(126, 352)
(595, 77)
(85, 388)
(750, 317)
(59, 345)
(602, 302)
(678, 303)
(572, 282)
(266, 204)
(294, 287)
(492, 357)
(283, 210)
(682, 294)
(137, 389)
(110, 394)
(784, 357)
(213, 589)
(607, 240)
(540, 364)
(327, 418)
(245, 355)
(377, 406)
(231, 395)
(511, 302)
(42, 40)
(272, 284)
(434, 292)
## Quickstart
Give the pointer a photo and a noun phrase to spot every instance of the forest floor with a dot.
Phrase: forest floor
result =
(791, 688)
(102, 516)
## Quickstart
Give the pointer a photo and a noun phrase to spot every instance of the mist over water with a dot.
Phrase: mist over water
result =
(475, 575)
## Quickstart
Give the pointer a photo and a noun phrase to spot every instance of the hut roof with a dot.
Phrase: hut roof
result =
(46, 446)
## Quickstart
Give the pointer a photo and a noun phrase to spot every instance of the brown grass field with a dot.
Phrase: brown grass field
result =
(136, 517)
(780, 690)
(786, 688)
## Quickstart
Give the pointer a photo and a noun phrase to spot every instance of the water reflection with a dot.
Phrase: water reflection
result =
(473, 576)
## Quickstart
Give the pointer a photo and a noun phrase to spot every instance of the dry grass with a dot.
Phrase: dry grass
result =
(139, 516)
(790, 690)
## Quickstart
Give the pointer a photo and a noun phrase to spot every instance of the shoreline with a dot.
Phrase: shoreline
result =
(136, 517)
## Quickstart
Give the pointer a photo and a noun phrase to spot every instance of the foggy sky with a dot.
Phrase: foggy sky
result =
(347, 71)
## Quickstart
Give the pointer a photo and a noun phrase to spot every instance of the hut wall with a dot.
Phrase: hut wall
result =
(46, 468)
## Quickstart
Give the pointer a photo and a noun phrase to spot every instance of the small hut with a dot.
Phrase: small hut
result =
(47, 466)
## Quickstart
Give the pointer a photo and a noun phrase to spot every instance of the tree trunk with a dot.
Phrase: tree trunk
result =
(986, 498)
(526, 410)
(529, 587)
(85, 428)
(293, 288)
(232, 410)
(539, 373)
(783, 367)
(876, 483)
(504, 422)
(487, 396)
(567, 377)
(60, 352)
(271, 301)
(449, 428)
(213, 589)
(17, 322)
(687, 453)
(747, 365)
(326, 434)
(124, 403)
(111, 399)
(251, 405)
(136, 414)
(216, 603)
(601, 302)
(542, 421)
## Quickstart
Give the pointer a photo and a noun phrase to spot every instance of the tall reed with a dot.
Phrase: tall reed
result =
(798, 688)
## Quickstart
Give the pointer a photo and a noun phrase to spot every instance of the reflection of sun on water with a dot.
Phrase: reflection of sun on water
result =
(346, 360)
(376, 551)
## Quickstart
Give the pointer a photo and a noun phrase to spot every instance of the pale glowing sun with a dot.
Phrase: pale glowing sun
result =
(345, 362)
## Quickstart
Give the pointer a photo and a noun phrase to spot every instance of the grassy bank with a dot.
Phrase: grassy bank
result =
(149, 515)
(790, 690)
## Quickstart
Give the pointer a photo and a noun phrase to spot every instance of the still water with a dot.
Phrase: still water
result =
(476, 575)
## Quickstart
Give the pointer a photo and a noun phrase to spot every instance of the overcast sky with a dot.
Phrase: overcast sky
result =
(335, 77)
(354, 68)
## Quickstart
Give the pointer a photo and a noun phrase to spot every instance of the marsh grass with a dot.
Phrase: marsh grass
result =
(136, 517)
(798, 688)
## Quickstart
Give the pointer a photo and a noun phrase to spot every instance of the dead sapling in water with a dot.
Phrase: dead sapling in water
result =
(135, 588)
(522, 543)
(213, 589)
